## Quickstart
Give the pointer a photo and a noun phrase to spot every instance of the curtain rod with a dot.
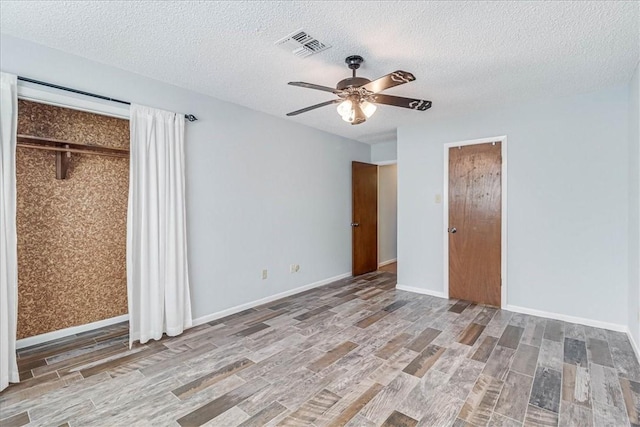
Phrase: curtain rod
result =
(189, 117)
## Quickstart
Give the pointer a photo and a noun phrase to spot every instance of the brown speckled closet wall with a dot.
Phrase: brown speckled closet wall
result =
(71, 232)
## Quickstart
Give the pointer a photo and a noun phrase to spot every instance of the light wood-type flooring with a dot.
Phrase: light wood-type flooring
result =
(356, 352)
(391, 268)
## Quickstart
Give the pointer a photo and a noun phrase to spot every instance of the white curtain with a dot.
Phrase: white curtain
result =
(157, 274)
(8, 234)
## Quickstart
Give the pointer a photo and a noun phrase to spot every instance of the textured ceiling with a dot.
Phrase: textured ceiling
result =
(465, 55)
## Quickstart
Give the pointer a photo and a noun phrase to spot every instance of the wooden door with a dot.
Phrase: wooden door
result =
(364, 225)
(475, 223)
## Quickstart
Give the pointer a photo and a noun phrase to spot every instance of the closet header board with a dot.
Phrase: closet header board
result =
(71, 232)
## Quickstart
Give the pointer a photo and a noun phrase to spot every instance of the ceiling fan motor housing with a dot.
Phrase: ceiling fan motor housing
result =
(353, 62)
(352, 82)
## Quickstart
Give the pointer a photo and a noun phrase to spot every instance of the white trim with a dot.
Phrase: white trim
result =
(567, 318)
(241, 307)
(445, 212)
(384, 163)
(636, 350)
(61, 333)
(33, 93)
(50, 336)
(421, 291)
(387, 262)
(546, 314)
(30, 93)
(377, 217)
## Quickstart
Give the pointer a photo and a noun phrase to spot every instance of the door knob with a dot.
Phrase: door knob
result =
(355, 224)
(452, 230)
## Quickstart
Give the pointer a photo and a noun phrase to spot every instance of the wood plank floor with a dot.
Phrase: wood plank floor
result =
(353, 353)
(391, 268)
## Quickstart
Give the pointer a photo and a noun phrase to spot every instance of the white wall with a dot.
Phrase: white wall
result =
(384, 151)
(567, 202)
(387, 212)
(262, 192)
(634, 206)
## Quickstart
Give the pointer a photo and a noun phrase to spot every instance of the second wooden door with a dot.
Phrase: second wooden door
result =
(475, 223)
(364, 225)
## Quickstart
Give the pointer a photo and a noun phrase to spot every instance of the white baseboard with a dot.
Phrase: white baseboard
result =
(241, 307)
(61, 333)
(546, 314)
(421, 291)
(567, 318)
(632, 340)
(387, 262)
(50, 336)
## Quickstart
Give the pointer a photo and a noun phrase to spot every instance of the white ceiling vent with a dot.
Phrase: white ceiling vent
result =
(301, 44)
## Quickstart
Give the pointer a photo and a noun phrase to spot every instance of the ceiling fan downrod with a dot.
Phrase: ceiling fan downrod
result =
(353, 62)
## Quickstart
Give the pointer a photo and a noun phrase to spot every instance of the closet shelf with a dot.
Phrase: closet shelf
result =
(51, 144)
(64, 149)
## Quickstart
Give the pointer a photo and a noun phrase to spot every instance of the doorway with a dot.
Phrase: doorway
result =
(85, 171)
(475, 221)
(374, 217)
(74, 214)
(387, 217)
(364, 219)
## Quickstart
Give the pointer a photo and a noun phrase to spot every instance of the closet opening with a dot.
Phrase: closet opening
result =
(72, 171)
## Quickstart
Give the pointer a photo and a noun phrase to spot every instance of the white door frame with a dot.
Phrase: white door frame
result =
(386, 163)
(29, 92)
(503, 245)
(57, 98)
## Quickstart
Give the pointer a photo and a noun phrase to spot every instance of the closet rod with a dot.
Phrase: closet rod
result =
(189, 117)
(72, 150)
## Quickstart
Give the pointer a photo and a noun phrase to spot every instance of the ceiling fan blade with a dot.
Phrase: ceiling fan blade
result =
(390, 80)
(313, 107)
(313, 86)
(398, 101)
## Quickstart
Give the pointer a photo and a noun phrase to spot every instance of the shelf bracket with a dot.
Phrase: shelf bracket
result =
(62, 163)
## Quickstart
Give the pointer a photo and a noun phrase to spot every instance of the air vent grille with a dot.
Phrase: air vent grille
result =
(301, 44)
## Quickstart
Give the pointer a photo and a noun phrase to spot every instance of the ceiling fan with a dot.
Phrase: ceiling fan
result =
(357, 96)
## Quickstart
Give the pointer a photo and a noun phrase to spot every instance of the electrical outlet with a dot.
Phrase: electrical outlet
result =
(294, 268)
(264, 274)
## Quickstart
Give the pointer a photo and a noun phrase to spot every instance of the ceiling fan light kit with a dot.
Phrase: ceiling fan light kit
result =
(354, 111)
(358, 96)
